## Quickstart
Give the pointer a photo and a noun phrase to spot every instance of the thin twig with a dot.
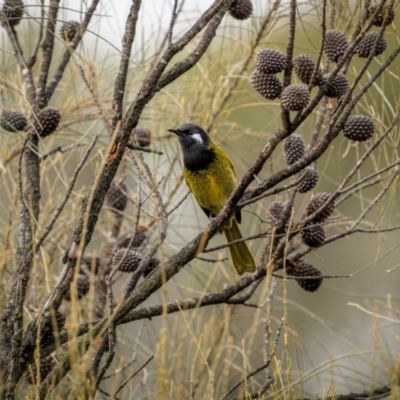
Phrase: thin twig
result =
(120, 81)
(60, 149)
(123, 384)
(133, 358)
(172, 22)
(74, 177)
(144, 149)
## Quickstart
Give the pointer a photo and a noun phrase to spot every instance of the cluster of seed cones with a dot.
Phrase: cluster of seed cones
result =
(295, 97)
(12, 13)
(264, 80)
(128, 263)
(126, 243)
(45, 122)
(126, 257)
(312, 234)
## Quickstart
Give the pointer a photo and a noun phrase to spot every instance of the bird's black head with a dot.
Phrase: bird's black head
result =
(191, 136)
(197, 152)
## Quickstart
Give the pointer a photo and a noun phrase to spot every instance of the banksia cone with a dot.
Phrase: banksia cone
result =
(293, 148)
(269, 86)
(379, 19)
(338, 87)
(270, 61)
(303, 68)
(313, 236)
(46, 121)
(241, 9)
(300, 270)
(151, 266)
(366, 45)
(316, 202)
(335, 45)
(82, 285)
(68, 30)
(55, 326)
(140, 237)
(295, 97)
(142, 136)
(13, 120)
(309, 181)
(46, 366)
(358, 128)
(11, 13)
(128, 260)
(116, 197)
(275, 211)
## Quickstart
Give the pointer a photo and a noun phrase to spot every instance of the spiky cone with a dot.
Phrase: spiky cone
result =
(303, 67)
(268, 85)
(116, 197)
(386, 12)
(295, 97)
(13, 120)
(46, 366)
(270, 61)
(279, 215)
(68, 30)
(55, 326)
(338, 87)
(358, 128)
(126, 260)
(11, 13)
(275, 211)
(82, 286)
(315, 203)
(309, 181)
(142, 136)
(301, 269)
(140, 237)
(46, 121)
(335, 45)
(241, 9)
(313, 236)
(365, 46)
(153, 264)
(294, 148)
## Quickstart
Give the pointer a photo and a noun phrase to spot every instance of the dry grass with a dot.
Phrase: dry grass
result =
(343, 338)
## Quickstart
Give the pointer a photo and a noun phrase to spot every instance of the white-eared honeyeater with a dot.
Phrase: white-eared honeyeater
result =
(211, 178)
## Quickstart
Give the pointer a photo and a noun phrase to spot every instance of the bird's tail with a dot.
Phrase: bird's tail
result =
(243, 260)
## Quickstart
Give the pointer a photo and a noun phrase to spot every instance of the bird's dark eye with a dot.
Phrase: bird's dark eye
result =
(190, 133)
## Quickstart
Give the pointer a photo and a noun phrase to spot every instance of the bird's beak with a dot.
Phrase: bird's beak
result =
(176, 131)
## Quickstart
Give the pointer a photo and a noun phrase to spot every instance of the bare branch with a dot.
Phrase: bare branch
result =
(47, 47)
(51, 87)
(127, 41)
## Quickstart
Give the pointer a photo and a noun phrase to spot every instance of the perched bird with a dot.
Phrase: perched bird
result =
(210, 175)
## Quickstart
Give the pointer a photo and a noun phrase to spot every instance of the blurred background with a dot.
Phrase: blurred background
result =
(342, 338)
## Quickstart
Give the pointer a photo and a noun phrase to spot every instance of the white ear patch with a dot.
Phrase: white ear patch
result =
(197, 137)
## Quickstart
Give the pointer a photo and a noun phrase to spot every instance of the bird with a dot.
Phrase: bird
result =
(210, 175)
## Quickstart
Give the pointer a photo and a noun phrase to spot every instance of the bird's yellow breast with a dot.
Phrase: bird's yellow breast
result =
(213, 185)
